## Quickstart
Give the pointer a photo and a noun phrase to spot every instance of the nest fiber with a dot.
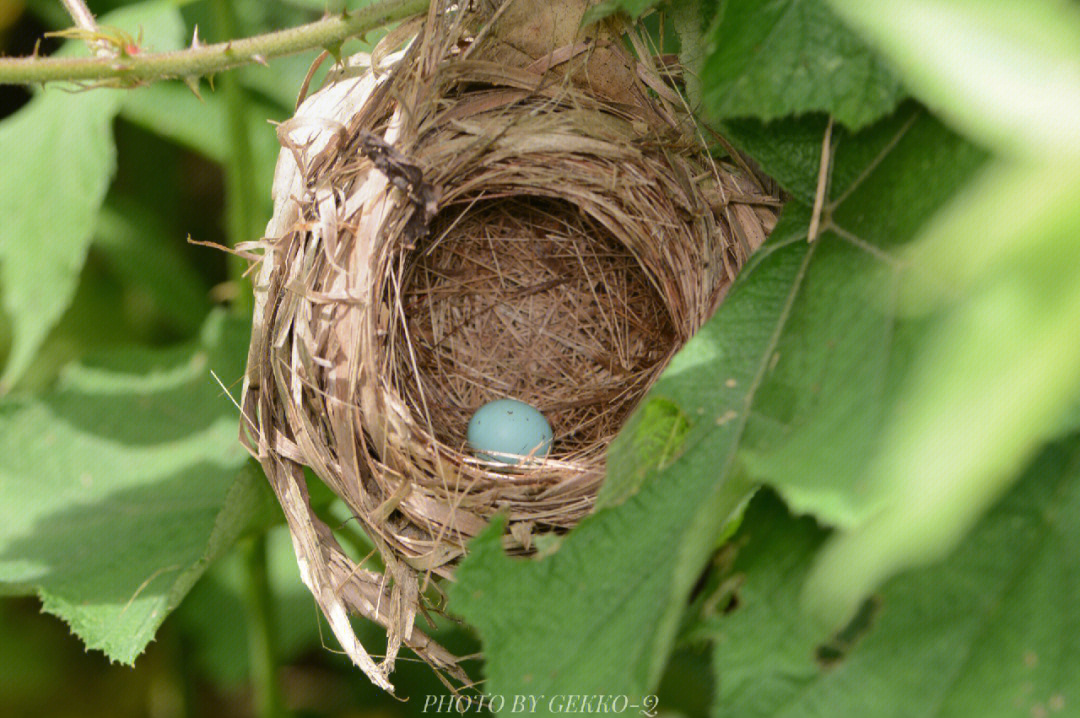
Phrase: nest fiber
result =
(478, 216)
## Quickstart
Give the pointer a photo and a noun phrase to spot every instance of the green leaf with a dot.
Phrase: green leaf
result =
(1005, 74)
(789, 150)
(600, 615)
(95, 321)
(770, 60)
(64, 145)
(995, 374)
(117, 489)
(973, 390)
(938, 412)
(60, 148)
(992, 631)
(822, 402)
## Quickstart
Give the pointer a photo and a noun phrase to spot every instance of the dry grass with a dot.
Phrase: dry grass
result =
(528, 298)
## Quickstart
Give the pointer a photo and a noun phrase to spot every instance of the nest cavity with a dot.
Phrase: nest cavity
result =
(530, 298)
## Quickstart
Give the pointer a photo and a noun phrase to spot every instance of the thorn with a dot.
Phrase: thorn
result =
(261, 59)
(196, 43)
(192, 81)
(210, 79)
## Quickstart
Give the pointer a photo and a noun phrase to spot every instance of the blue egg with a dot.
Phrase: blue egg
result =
(508, 426)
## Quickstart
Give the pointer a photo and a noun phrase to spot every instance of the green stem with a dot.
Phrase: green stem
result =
(240, 202)
(261, 653)
(202, 60)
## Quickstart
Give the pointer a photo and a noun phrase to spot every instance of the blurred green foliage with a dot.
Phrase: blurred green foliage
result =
(894, 384)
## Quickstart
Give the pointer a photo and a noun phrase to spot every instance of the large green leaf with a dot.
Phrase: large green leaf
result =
(993, 376)
(926, 424)
(770, 60)
(818, 414)
(992, 631)
(117, 489)
(58, 162)
(1004, 73)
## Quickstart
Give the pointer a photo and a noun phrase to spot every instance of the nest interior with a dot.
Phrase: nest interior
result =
(461, 226)
(527, 297)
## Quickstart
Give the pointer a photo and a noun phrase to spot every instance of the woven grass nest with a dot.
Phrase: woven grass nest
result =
(510, 206)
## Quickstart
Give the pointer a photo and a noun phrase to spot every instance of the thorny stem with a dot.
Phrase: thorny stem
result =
(199, 60)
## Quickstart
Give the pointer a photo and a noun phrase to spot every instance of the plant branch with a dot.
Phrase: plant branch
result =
(199, 60)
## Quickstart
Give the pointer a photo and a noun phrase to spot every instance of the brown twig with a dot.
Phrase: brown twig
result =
(822, 183)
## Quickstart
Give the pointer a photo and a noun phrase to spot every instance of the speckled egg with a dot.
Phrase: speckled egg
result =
(508, 426)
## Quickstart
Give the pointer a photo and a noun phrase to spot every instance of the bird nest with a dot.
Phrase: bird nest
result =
(480, 215)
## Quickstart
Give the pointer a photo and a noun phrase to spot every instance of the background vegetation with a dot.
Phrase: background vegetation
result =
(905, 387)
